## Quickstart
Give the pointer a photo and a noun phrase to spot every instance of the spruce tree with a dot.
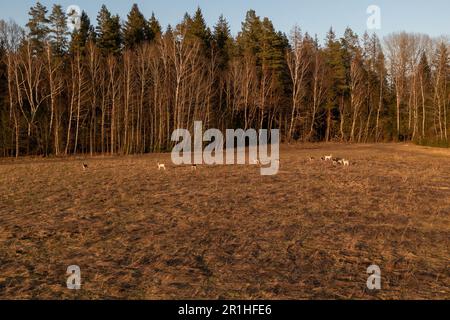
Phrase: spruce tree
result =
(424, 68)
(350, 48)
(223, 41)
(424, 72)
(183, 27)
(441, 83)
(109, 38)
(58, 30)
(273, 46)
(169, 32)
(4, 115)
(248, 38)
(336, 81)
(154, 28)
(199, 30)
(136, 29)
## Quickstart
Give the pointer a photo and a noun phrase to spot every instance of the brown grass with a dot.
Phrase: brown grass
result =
(226, 231)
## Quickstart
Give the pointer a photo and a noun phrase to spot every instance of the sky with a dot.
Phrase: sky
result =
(314, 16)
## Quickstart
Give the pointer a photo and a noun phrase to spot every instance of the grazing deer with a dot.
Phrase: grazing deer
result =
(336, 161)
(329, 158)
(161, 166)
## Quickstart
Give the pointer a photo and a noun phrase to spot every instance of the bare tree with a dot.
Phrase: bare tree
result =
(298, 65)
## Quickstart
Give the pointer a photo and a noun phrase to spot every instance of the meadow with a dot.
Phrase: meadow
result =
(226, 232)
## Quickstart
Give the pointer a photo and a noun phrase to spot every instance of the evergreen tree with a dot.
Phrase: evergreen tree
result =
(441, 83)
(198, 29)
(136, 29)
(154, 28)
(336, 81)
(424, 68)
(248, 38)
(169, 32)
(38, 26)
(4, 116)
(109, 38)
(223, 41)
(82, 35)
(350, 49)
(424, 73)
(273, 48)
(58, 30)
(183, 27)
(350, 42)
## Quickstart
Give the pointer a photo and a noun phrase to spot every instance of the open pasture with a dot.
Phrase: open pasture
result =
(226, 231)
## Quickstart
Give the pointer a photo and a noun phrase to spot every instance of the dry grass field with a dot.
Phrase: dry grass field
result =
(227, 232)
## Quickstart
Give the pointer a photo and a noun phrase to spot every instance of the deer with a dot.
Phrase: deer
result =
(85, 166)
(328, 158)
(161, 166)
(342, 162)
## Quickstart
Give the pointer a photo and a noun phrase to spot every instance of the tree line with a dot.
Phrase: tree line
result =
(122, 87)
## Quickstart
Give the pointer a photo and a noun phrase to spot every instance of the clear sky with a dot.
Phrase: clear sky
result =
(314, 16)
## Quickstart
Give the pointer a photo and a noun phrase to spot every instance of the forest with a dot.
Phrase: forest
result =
(123, 86)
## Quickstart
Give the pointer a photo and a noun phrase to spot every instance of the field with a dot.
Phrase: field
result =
(227, 232)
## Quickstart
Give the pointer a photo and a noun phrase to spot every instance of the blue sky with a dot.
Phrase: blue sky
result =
(314, 16)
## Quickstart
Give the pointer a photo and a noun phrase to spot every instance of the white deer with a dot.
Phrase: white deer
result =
(161, 166)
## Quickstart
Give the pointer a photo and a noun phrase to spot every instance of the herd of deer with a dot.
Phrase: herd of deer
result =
(335, 161)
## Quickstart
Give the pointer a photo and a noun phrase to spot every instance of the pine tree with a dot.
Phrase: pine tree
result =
(136, 29)
(38, 26)
(58, 30)
(109, 38)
